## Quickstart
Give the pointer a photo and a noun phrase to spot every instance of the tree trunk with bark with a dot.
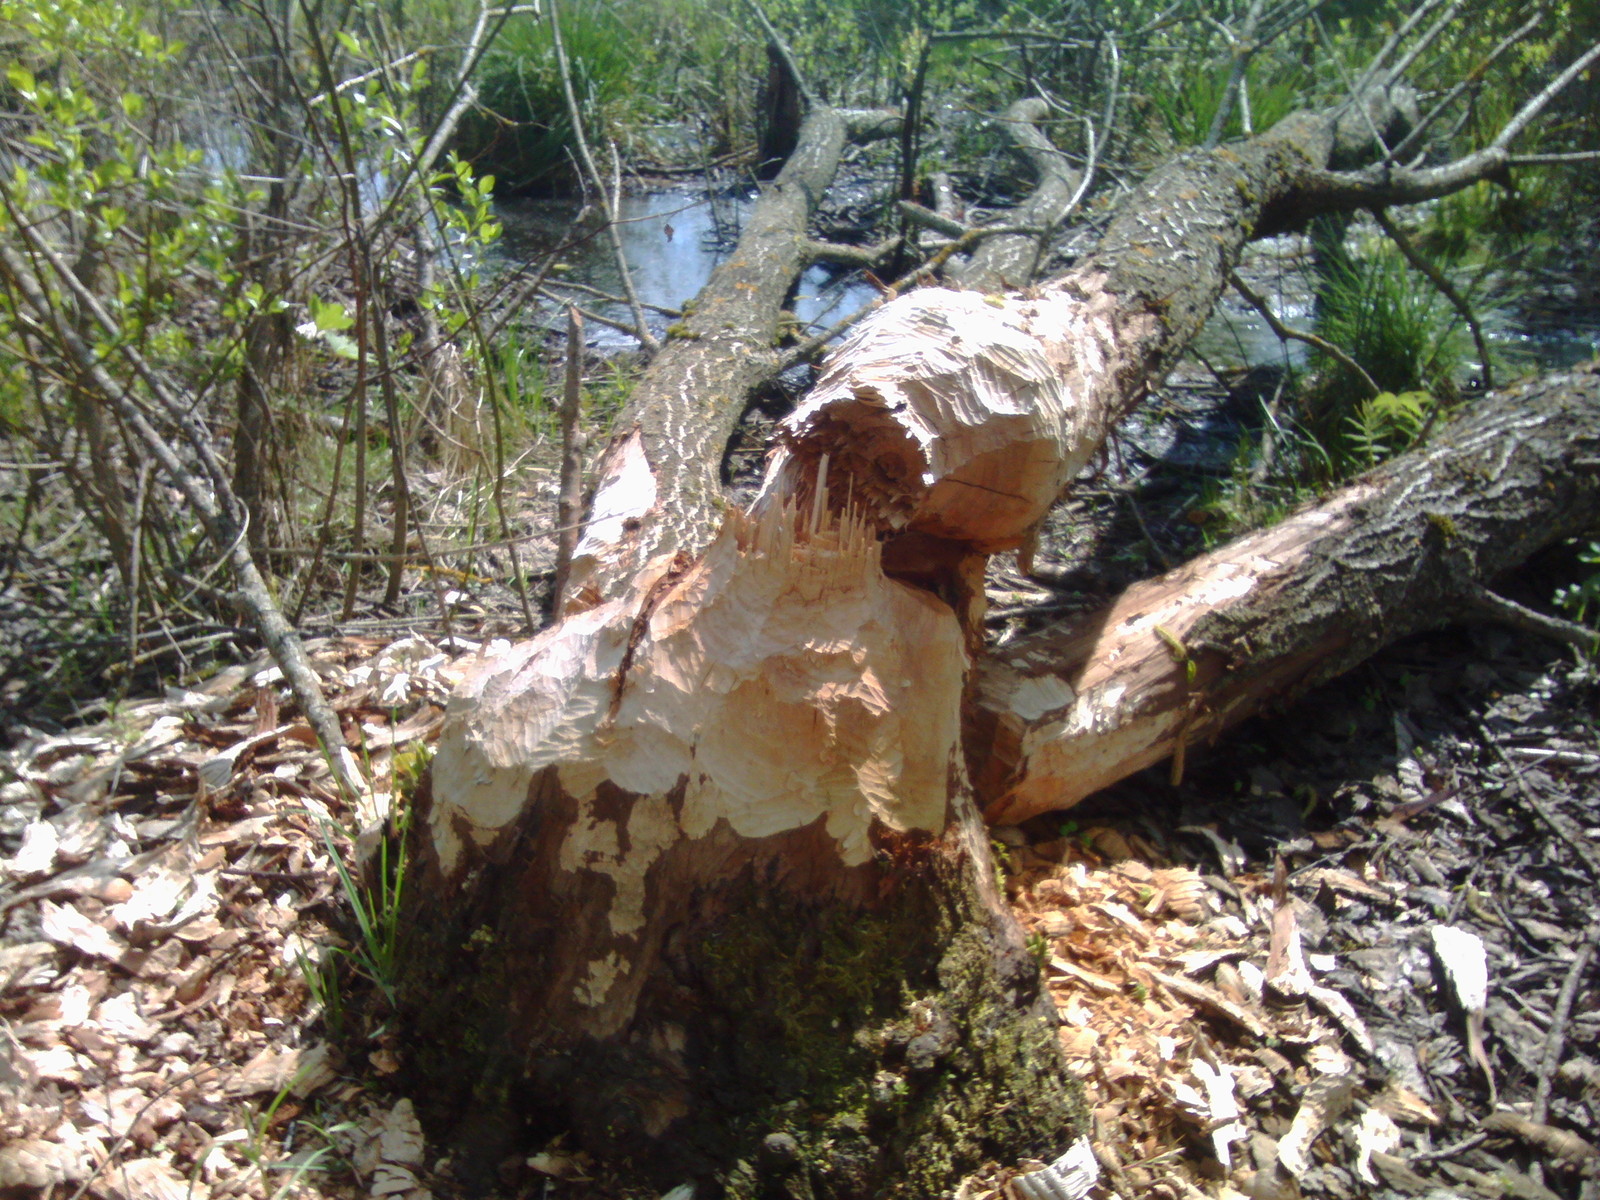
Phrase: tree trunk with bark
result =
(702, 882)
(1011, 260)
(700, 875)
(1174, 661)
(658, 486)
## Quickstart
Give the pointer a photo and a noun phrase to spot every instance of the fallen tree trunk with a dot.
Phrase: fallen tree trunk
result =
(1174, 661)
(658, 489)
(1011, 260)
(700, 877)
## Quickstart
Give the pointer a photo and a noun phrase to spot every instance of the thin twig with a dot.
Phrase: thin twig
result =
(1568, 633)
(1584, 851)
(1443, 22)
(1289, 333)
(218, 508)
(1270, 432)
(1244, 49)
(592, 174)
(589, 314)
(675, 314)
(1556, 1037)
(1472, 79)
(569, 502)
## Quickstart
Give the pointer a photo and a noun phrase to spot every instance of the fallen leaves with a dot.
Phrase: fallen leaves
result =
(168, 877)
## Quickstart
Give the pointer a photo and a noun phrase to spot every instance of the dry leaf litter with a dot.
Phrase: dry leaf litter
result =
(1383, 990)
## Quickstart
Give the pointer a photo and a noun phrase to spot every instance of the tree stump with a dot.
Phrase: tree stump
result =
(701, 879)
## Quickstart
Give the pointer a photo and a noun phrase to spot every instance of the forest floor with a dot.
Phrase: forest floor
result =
(1262, 971)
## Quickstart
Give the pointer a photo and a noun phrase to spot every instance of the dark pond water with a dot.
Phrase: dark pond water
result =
(673, 239)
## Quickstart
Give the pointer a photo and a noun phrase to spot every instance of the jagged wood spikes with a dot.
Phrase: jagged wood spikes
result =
(781, 680)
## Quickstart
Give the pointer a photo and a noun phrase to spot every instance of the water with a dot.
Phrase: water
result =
(672, 240)
(1237, 336)
(1278, 268)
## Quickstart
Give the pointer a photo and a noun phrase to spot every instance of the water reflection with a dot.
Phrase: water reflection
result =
(672, 240)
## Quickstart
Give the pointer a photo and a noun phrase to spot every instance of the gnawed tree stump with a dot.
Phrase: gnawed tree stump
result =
(701, 879)
(700, 876)
(1072, 708)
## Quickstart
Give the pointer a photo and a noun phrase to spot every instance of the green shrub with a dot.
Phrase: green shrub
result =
(521, 130)
(1408, 340)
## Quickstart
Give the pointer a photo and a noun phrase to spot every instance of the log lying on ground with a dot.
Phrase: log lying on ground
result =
(1009, 260)
(658, 489)
(1154, 279)
(1074, 707)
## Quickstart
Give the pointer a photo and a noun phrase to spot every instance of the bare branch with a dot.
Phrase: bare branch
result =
(1289, 333)
(1473, 77)
(592, 173)
(1537, 105)
(1447, 289)
(1244, 49)
(1445, 19)
(852, 256)
(1553, 160)
(1376, 67)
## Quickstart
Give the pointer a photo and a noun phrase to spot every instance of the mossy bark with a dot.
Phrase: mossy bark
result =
(882, 1038)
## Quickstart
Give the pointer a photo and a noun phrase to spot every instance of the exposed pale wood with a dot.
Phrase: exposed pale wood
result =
(776, 648)
(1062, 713)
(681, 821)
(658, 489)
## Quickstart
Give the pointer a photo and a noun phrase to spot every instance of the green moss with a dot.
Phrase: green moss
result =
(829, 1048)
(893, 1056)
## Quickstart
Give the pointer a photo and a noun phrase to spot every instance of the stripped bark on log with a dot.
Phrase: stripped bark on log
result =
(1174, 661)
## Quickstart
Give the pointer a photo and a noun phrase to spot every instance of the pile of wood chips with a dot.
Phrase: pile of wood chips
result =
(168, 916)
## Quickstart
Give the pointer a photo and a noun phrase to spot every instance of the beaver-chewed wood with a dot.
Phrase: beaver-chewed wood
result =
(1066, 711)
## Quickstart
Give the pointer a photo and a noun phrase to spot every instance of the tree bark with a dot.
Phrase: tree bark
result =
(659, 489)
(1174, 661)
(1010, 260)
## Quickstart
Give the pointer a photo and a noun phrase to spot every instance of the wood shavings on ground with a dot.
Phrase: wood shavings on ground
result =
(1253, 1014)
(168, 893)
